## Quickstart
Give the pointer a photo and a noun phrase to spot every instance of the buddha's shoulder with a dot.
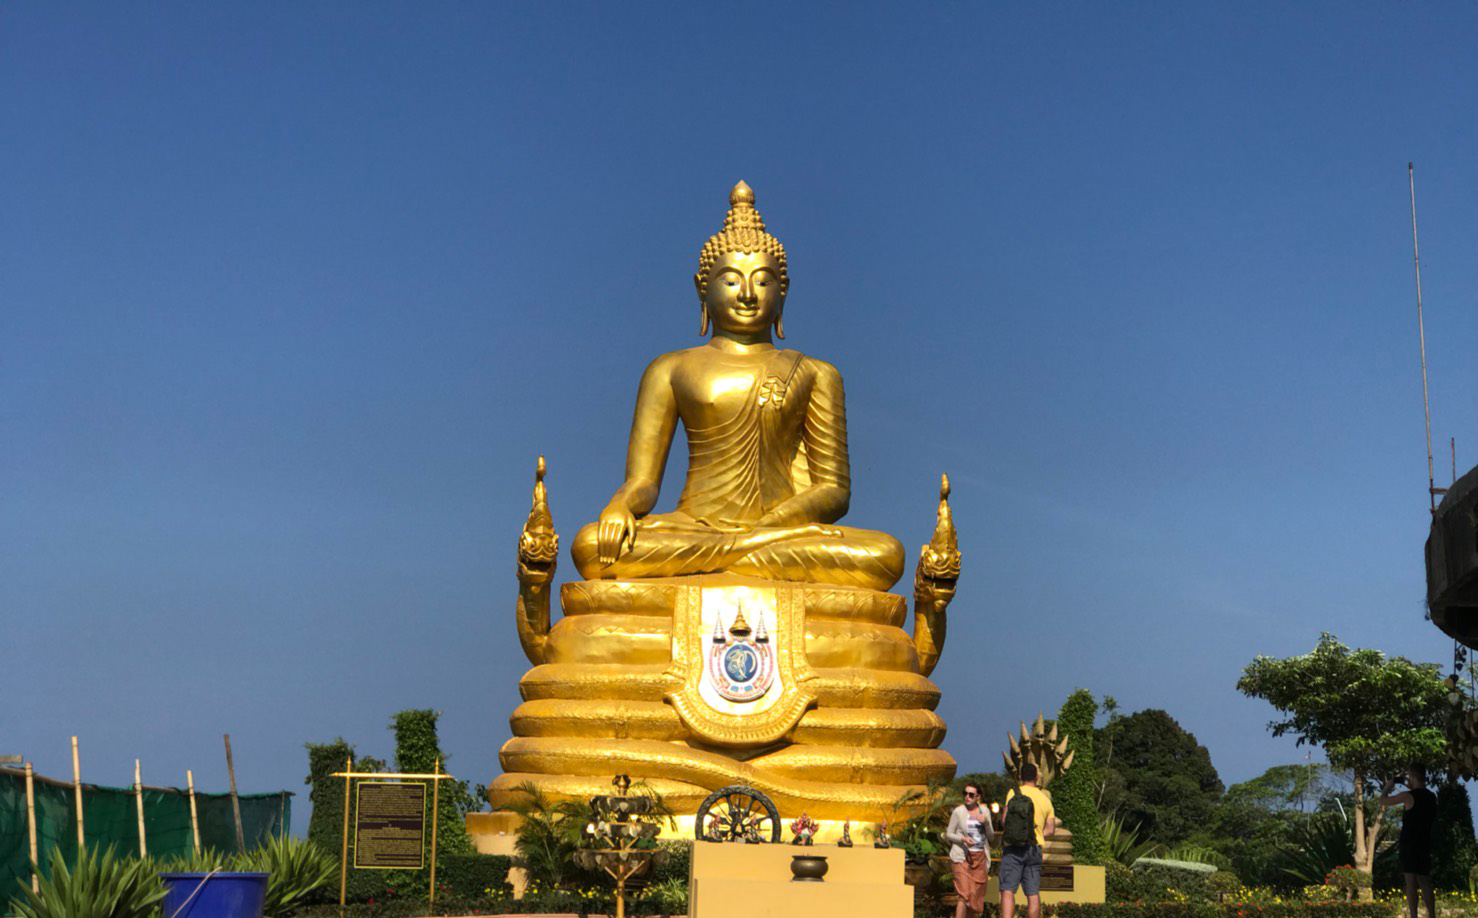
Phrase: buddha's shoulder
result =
(816, 366)
(666, 363)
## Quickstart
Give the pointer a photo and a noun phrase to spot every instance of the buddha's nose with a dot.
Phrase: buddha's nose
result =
(747, 292)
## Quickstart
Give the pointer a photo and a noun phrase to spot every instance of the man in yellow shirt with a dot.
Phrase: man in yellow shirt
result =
(1021, 856)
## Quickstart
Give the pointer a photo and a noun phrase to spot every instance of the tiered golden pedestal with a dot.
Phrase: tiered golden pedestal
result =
(846, 728)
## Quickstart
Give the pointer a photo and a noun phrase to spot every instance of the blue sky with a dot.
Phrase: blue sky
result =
(293, 295)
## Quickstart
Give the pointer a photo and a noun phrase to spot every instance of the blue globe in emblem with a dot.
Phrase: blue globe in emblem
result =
(741, 663)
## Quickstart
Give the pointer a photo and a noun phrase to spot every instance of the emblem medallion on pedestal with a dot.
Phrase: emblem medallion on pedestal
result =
(748, 682)
(741, 662)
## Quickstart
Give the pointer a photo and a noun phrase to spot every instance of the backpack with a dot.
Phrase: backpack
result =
(1018, 828)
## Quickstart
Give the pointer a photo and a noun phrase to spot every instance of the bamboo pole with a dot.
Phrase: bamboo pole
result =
(235, 800)
(31, 826)
(194, 816)
(344, 854)
(77, 787)
(138, 796)
(435, 811)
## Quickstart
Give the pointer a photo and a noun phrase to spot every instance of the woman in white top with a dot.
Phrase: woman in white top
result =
(970, 834)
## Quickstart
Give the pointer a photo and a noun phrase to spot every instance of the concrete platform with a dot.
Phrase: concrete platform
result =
(754, 881)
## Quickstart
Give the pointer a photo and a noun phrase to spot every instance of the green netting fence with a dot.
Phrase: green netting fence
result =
(110, 817)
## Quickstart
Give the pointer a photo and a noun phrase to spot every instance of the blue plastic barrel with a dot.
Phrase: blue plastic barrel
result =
(214, 895)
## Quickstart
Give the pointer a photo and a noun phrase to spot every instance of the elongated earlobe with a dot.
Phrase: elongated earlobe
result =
(703, 329)
(779, 328)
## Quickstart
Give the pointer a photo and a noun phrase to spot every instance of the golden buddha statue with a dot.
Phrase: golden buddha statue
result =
(745, 637)
(767, 444)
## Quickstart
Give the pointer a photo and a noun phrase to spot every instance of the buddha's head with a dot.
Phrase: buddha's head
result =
(741, 279)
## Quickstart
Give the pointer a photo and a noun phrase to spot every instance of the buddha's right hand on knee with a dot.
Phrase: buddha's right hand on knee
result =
(615, 532)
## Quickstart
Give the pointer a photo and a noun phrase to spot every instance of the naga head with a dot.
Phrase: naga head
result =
(1041, 748)
(538, 544)
(940, 559)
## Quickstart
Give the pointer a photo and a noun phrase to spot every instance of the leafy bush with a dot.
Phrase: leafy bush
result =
(417, 751)
(1348, 880)
(679, 861)
(670, 894)
(1228, 910)
(1199, 854)
(472, 875)
(98, 886)
(203, 861)
(1120, 883)
(1073, 793)
(326, 824)
(295, 868)
(325, 792)
(1223, 883)
(1162, 879)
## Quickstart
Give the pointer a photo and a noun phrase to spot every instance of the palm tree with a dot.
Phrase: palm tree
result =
(548, 835)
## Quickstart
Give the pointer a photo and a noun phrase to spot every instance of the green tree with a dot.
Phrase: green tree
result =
(326, 825)
(1075, 790)
(326, 793)
(1288, 787)
(1452, 837)
(1371, 714)
(1159, 779)
(1287, 827)
(417, 751)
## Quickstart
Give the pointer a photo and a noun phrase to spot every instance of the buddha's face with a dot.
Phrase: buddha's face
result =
(743, 297)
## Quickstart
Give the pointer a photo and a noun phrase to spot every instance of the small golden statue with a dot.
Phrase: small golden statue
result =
(746, 636)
